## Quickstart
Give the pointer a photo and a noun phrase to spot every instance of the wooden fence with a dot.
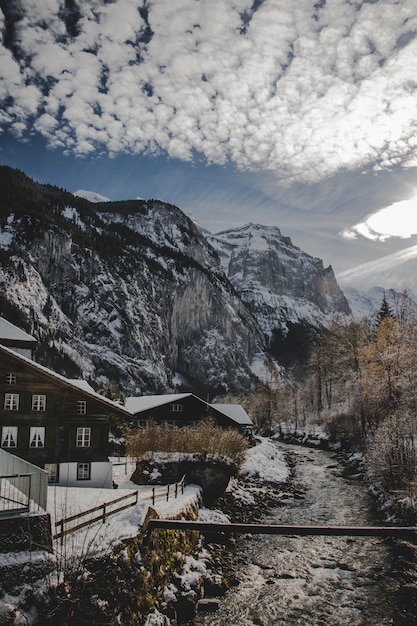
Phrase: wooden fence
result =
(106, 509)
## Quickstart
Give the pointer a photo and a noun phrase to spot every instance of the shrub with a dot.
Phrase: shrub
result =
(206, 438)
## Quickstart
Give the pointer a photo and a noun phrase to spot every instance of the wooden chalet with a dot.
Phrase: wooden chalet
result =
(56, 423)
(186, 409)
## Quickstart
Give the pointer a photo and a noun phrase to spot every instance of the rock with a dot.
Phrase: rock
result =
(211, 473)
(207, 605)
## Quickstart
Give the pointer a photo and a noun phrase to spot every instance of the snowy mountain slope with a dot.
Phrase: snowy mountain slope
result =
(133, 294)
(366, 304)
(92, 196)
(285, 288)
(127, 293)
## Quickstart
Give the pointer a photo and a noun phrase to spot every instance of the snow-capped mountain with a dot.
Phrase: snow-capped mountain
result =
(131, 293)
(288, 291)
(92, 196)
(366, 304)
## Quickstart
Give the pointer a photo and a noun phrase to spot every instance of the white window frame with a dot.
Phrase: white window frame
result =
(9, 437)
(81, 407)
(83, 437)
(83, 471)
(37, 437)
(39, 402)
(11, 401)
(11, 378)
(176, 408)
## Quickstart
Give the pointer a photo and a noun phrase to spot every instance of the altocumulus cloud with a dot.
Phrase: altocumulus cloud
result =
(303, 88)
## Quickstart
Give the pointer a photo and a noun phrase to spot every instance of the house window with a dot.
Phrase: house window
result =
(83, 437)
(52, 469)
(11, 379)
(9, 437)
(11, 401)
(38, 403)
(176, 408)
(83, 471)
(81, 407)
(37, 437)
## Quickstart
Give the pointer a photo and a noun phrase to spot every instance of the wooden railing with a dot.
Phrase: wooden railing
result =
(166, 491)
(106, 509)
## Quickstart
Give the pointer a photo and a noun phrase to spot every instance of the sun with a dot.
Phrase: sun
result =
(396, 220)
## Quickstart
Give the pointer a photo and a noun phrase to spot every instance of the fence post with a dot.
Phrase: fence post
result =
(61, 523)
(104, 512)
(167, 493)
(176, 489)
(153, 495)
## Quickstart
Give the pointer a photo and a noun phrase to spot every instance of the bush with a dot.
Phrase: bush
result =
(206, 438)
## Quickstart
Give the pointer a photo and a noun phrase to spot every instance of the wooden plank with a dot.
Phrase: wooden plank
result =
(291, 530)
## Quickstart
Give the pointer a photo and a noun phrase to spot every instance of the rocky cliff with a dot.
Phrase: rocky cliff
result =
(289, 292)
(133, 294)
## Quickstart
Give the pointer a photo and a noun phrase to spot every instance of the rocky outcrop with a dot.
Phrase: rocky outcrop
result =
(210, 472)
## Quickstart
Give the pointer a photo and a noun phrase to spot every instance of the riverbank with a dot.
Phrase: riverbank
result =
(382, 571)
(107, 572)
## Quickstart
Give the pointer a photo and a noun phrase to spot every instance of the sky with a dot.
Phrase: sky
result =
(299, 114)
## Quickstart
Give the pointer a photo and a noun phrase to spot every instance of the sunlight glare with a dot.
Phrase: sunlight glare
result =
(397, 220)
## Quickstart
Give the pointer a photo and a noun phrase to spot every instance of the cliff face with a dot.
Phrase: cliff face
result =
(287, 290)
(133, 294)
(124, 293)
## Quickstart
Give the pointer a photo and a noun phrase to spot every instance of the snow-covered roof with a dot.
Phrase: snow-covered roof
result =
(235, 412)
(11, 332)
(135, 404)
(80, 385)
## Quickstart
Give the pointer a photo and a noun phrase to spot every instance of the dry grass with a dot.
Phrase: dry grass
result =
(206, 438)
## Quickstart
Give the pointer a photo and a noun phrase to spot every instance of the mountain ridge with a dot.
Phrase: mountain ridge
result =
(132, 294)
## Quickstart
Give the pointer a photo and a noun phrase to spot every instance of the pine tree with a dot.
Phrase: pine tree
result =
(384, 311)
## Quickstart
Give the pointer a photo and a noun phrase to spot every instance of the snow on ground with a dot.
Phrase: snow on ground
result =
(99, 537)
(265, 461)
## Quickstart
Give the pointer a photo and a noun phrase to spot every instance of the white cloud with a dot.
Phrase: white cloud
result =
(397, 220)
(299, 91)
(367, 275)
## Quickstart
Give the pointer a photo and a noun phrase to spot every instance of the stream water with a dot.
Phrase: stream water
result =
(313, 581)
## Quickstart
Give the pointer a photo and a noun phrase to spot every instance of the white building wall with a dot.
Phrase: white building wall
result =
(101, 475)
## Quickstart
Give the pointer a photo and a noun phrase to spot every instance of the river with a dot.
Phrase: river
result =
(313, 581)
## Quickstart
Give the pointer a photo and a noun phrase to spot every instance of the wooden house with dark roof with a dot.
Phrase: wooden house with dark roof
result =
(186, 409)
(56, 423)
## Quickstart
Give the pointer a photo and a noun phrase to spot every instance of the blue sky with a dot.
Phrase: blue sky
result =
(294, 114)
